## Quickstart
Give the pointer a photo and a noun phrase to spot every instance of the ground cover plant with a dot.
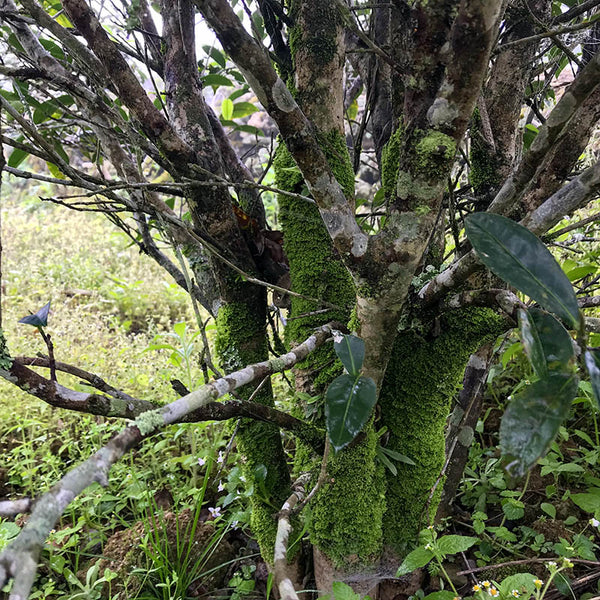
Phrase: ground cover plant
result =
(467, 129)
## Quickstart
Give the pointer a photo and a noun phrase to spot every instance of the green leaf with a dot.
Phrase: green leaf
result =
(39, 319)
(348, 404)
(17, 156)
(549, 509)
(243, 109)
(416, 559)
(533, 418)
(441, 595)
(513, 509)
(589, 502)
(227, 109)
(216, 80)
(453, 544)
(516, 255)
(351, 351)
(546, 342)
(592, 364)
(342, 591)
(522, 582)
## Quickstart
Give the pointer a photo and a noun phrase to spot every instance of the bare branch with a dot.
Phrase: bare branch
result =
(12, 508)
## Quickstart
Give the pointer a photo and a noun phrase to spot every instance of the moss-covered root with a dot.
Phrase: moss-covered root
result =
(346, 514)
(422, 377)
(241, 340)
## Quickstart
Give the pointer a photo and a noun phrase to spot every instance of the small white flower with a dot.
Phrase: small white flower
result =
(242, 479)
(595, 523)
(234, 524)
(201, 462)
(221, 487)
(515, 593)
(214, 512)
(551, 565)
(220, 458)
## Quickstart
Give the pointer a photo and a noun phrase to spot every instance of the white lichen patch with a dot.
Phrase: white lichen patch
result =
(149, 421)
(282, 97)
(441, 112)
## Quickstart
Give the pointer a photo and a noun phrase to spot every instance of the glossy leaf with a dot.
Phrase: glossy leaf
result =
(532, 419)
(592, 364)
(522, 582)
(342, 591)
(351, 351)
(546, 342)
(17, 156)
(416, 559)
(216, 80)
(39, 319)
(348, 404)
(589, 502)
(518, 257)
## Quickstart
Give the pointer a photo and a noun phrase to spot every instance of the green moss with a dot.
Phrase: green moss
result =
(421, 379)
(241, 340)
(347, 512)
(435, 150)
(484, 174)
(390, 164)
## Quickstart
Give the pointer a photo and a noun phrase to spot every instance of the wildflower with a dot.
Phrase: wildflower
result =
(430, 527)
(551, 565)
(214, 512)
(595, 523)
(456, 598)
(486, 584)
(476, 588)
(515, 593)
(493, 592)
(567, 564)
(428, 546)
(221, 487)
(538, 583)
(220, 458)
(201, 462)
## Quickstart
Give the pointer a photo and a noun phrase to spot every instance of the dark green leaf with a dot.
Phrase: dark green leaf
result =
(416, 559)
(547, 343)
(592, 363)
(216, 80)
(532, 419)
(453, 544)
(39, 319)
(351, 351)
(17, 156)
(348, 404)
(516, 255)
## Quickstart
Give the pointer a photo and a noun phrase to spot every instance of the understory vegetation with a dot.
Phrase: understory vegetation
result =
(173, 520)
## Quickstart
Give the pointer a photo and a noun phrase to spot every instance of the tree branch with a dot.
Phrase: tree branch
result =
(295, 128)
(19, 559)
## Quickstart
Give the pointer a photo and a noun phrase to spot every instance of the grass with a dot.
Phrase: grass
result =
(108, 304)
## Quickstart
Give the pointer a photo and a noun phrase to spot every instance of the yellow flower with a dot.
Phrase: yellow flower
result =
(515, 593)
(476, 588)
(486, 584)
(493, 592)
(538, 583)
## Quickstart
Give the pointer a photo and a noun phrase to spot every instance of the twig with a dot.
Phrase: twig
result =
(280, 563)
(593, 563)
(320, 480)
